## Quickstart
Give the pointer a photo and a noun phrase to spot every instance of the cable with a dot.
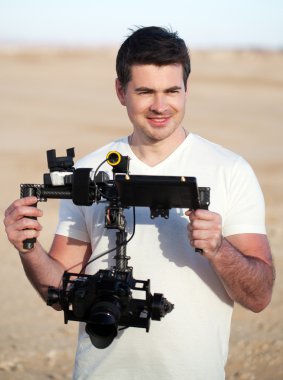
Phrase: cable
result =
(97, 188)
(117, 246)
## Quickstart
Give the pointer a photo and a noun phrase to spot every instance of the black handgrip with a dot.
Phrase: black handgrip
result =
(29, 191)
(204, 198)
(199, 250)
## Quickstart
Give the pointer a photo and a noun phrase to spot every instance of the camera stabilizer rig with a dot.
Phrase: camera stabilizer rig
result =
(104, 301)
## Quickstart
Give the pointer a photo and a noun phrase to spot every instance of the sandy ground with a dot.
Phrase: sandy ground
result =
(59, 99)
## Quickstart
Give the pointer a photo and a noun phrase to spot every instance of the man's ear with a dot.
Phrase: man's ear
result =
(120, 91)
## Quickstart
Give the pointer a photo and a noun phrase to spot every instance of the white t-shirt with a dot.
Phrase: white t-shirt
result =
(191, 342)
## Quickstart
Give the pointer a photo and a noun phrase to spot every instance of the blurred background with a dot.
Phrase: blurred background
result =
(57, 72)
(204, 24)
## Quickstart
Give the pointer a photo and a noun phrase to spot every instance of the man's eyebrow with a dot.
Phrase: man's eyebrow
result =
(148, 89)
(143, 88)
(173, 88)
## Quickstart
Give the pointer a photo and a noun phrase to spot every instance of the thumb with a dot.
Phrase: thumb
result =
(188, 212)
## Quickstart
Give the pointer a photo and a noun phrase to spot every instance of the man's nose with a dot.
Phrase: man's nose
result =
(159, 104)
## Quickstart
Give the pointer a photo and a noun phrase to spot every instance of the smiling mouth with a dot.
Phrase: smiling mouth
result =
(158, 120)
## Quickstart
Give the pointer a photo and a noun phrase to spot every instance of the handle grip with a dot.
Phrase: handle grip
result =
(199, 250)
(204, 195)
(29, 191)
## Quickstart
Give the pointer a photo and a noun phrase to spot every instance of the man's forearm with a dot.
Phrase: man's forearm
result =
(41, 270)
(248, 280)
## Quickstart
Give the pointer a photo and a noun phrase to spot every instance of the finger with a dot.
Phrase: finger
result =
(204, 214)
(205, 229)
(21, 212)
(188, 212)
(209, 244)
(27, 223)
(200, 215)
(199, 224)
(26, 201)
(21, 235)
(17, 232)
(19, 238)
(200, 234)
(22, 224)
(197, 244)
(210, 219)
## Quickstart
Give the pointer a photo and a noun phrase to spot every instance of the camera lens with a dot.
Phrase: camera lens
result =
(103, 323)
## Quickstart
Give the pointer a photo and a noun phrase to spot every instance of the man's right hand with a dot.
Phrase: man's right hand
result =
(19, 224)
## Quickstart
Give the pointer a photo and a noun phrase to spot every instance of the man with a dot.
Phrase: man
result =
(191, 342)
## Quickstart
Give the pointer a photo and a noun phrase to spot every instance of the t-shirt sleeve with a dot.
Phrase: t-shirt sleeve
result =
(72, 221)
(246, 209)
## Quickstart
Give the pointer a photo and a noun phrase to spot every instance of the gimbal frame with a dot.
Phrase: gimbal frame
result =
(104, 300)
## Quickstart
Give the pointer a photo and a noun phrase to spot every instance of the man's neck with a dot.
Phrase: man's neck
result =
(154, 152)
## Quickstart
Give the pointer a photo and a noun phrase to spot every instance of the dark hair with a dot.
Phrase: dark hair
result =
(151, 45)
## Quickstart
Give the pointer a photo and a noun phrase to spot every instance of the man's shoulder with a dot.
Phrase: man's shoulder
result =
(210, 149)
(215, 157)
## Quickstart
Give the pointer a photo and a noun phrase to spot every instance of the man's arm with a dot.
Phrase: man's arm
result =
(42, 269)
(243, 262)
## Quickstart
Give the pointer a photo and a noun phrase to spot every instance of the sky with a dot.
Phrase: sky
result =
(254, 24)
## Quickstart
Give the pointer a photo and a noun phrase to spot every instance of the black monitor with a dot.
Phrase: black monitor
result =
(158, 192)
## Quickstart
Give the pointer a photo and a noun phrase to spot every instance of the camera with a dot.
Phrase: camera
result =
(105, 300)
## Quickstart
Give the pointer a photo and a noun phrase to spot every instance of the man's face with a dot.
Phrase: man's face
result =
(155, 99)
